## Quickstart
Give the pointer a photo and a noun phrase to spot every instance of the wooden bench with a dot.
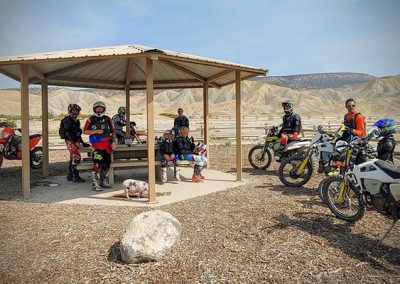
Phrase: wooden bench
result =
(87, 164)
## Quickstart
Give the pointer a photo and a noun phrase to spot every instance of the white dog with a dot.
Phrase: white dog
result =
(135, 186)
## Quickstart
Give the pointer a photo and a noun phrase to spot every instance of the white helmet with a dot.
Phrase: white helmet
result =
(96, 105)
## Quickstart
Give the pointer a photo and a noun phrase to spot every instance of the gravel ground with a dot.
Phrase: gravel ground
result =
(258, 232)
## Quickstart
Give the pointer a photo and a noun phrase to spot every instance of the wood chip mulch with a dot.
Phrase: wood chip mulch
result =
(258, 232)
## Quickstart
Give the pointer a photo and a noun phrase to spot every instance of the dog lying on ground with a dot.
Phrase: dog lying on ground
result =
(133, 186)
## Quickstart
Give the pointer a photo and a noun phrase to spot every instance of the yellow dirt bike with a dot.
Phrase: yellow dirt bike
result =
(297, 170)
(260, 156)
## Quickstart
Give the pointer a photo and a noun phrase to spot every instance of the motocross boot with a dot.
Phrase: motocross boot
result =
(196, 178)
(103, 180)
(70, 175)
(197, 174)
(164, 175)
(95, 181)
(76, 177)
(177, 174)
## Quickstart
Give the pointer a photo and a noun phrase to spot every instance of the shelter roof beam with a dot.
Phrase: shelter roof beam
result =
(187, 71)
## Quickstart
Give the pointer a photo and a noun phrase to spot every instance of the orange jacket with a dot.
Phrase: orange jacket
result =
(359, 124)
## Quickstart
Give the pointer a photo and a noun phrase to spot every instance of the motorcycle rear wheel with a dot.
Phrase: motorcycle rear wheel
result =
(260, 159)
(288, 167)
(352, 209)
(36, 158)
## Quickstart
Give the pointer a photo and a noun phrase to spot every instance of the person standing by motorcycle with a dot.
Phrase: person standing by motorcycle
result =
(291, 124)
(70, 130)
(387, 144)
(353, 121)
(180, 121)
(103, 139)
(119, 121)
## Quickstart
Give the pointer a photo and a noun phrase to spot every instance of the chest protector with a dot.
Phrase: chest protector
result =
(167, 143)
(291, 123)
(100, 123)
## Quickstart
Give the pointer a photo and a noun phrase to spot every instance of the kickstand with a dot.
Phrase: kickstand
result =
(388, 231)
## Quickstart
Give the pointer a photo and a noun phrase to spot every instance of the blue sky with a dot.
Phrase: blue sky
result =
(286, 37)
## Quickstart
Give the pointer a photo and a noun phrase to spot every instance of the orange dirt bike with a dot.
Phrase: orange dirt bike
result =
(11, 147)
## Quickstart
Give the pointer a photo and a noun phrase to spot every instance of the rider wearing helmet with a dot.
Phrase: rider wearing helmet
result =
(169, 154)
(119, 121)
(187, 151)
(70, 130)
(386, 145)
(103, 139)
(291, 123)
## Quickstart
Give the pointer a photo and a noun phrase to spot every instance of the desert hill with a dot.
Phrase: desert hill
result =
(377, 97)
(317, 81)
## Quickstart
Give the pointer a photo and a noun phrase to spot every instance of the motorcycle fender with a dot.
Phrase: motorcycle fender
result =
(373, 186)
(395, 190)
(298, 145)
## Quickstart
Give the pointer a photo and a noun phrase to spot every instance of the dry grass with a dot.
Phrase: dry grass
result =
(259, 232)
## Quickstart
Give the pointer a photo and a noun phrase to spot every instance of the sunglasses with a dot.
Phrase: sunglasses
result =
(350, 105)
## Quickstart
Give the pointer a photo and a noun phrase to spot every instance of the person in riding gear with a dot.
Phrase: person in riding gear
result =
(119, 121)
(387, 144)
(169, 155)
(102, 136)
(353, 121)
(180, 121)
(291, 123)
(190, 151)
(73, 140)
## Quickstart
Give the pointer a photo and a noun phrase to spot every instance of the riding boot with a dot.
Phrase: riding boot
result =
(164, 175)
(103, 178)
(76, 177)
(95, 181)
(177, 173)
(197, 174)
(70, 175)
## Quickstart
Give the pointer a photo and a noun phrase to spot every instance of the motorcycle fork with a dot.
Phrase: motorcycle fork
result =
(343, 188)
(302, 166)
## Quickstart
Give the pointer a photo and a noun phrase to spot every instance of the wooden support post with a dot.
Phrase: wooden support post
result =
(150, 130)
(238, 129)
(128, 109)
(206, 111)
(26, 175)
(45, 128)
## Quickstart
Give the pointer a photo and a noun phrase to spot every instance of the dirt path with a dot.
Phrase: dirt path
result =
(260, 232)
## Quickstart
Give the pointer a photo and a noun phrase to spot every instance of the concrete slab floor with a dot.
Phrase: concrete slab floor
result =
(58, 190)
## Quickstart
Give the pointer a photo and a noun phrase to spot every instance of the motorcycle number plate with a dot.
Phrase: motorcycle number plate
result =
(353, 179)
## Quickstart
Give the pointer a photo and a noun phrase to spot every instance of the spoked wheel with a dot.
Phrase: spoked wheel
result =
(288, 171)
(260, 157)
(37, 158)
(320, 190)
(342, 199)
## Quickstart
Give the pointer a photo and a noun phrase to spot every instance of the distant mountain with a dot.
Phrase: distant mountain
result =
(377, 97)
(316, 81)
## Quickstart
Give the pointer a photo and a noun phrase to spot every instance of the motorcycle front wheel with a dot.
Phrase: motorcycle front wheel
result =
(260, 157)
(37, 158)
(288, 171)
(344, 202)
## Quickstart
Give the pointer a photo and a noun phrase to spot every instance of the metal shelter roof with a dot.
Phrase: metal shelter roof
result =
(118, 67)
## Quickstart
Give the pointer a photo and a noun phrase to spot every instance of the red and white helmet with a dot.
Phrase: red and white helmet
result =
(200, 148)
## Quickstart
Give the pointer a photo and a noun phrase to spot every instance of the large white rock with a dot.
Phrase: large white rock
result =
(149, 236)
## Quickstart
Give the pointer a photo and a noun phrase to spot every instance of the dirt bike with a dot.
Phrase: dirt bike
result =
(123, 138)
(297, 170)
(260, 156)
(11, 147)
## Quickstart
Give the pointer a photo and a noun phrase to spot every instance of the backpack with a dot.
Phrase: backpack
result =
(62, 131)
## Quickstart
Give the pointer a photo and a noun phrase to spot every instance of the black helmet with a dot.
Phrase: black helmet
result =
(290, 105)
(96, 105)
(122, 111)
(72, 107)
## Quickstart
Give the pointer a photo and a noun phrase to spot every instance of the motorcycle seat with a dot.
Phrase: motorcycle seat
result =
(388, 168)
(298, 139)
